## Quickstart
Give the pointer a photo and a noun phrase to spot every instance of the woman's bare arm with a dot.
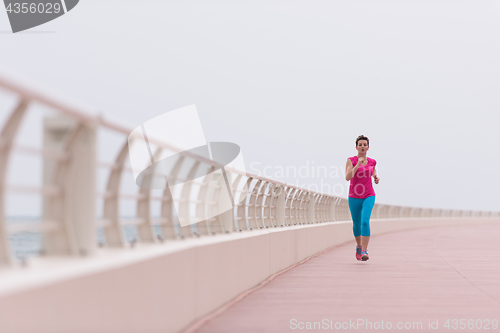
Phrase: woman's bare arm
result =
(375, 177)
(349, 170)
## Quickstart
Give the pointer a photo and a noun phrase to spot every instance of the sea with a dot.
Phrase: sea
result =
(28, 244)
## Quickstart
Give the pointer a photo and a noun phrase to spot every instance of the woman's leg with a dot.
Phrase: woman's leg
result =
(355, 206)
(366, 212)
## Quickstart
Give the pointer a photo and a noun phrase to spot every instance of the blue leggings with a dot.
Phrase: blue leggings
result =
(361, 209)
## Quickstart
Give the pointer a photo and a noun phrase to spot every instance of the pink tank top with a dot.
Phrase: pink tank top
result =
(361, 184)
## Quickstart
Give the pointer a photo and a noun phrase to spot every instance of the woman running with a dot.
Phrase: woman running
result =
(359, 170)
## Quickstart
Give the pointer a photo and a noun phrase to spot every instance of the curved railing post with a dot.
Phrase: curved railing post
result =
(227, 216)
(74, 208)
(378, 211)
(203, 227)
(270, 207)
(280, 206)
(317, 208)
(170, 227)
(333, 207)
(252, 208)
(259, 205)
(238, 198)
(243, 206)
(319, 202)
(302, 207)
(326, 209)
(6, 140)
(288, 209)
(311, 198)
(342, 209)
(184, 202)
(111, 211)
(339, 207)
(295, 207)
(145, 228)
(223, 222)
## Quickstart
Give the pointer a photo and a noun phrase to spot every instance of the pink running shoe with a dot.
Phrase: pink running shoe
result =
(358, 252)
(364, 255)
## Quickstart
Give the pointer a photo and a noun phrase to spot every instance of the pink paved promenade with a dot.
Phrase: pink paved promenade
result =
(418, 276)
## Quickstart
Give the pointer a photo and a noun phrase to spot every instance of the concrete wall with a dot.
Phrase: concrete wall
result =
(163, 288)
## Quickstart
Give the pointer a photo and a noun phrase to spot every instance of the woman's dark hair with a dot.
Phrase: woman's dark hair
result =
(362, 137)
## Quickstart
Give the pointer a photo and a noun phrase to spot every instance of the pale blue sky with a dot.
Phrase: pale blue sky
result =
(295, 82)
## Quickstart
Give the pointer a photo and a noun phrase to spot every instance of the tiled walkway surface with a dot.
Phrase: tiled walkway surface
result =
(422, 276)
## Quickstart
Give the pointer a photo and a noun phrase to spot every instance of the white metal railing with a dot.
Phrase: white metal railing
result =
(69, 223)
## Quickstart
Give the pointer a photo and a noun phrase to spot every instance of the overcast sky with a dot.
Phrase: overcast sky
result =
(293, 83)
